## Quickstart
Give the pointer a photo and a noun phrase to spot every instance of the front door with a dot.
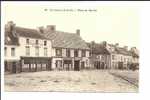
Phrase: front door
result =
(6, 66)
(58, 64)
(13, 67)
(82, 65)
(102, 65)
(77, 65)
(120, 65)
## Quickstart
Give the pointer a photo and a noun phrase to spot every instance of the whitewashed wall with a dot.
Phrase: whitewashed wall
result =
(72, 53)
(22, 47)
(8, 56)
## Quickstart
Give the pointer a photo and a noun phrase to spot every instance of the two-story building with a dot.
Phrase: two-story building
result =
(99, 56)
(124, 57)
(109, 56)
(69, 50)
(26, 49)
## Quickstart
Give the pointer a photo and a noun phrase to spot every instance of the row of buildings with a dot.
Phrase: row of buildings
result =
(110, 56)
(49, 49)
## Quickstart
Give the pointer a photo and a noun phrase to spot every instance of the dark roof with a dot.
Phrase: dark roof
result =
(10, 39)
(66, 40)
(98, 48)
(123, 51)
(134, 54)
(31, 33)
(110, 50)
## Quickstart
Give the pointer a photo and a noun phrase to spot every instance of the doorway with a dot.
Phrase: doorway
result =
(13, 67)
(77, 65)
(82, 64)
(120, 65)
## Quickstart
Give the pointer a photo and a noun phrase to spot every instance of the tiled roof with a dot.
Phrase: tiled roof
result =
(31, 33)
(11, 38)
(98, 49)
(123, 51)
(134, 54)
(66, 40)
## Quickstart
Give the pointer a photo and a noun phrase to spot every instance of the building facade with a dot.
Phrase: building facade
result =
(99, 56)
(135, 57)
(109, 56)
(69, 50)
(25, 49)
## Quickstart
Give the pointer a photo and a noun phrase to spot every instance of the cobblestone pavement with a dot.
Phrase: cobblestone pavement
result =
(68, 81)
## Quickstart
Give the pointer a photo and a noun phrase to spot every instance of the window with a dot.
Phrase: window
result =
(45, 51)
(58, 63)
(86, 62)
(12, 51)
(83, 53)
(90, 54)
(124, 59)
(27, 41)
(129, 60)
(27, 51)
(121, 58)
(113, 57)
(45, 43)
(37, 51)
(58, 52)
(102, 57)
(67, 52)
(37, 42)
(75, 53)
(5, 51)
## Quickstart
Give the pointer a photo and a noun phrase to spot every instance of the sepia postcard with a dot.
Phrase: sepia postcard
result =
(66, 47)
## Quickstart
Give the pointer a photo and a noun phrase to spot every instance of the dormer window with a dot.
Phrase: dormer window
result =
(27, 41)
(37, 42)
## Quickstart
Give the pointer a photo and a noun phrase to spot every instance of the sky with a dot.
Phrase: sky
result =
(114, 24)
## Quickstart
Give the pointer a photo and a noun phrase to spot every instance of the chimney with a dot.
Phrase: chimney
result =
(10, 26)
(117, 44)
(51, 28)
(41, 29)
(126, 47)
(78, 32)
(104, 43)
(133, 49)
(92, 42)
